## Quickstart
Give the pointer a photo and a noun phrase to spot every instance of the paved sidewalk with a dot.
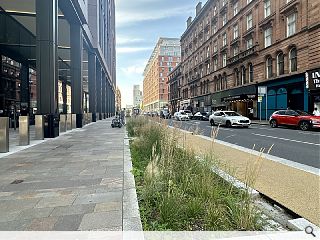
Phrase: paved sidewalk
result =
(78, 181)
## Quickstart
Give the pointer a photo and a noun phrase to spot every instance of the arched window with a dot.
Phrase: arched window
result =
(269, 67)
(250, 72)
(207, 86)
(293, 62)
(243, 75)
(236, 77)
(201, 88)
(220, 83)
(280, 64)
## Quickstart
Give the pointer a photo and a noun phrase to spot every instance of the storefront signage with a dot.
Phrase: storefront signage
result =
(239, 97)
(313, 79)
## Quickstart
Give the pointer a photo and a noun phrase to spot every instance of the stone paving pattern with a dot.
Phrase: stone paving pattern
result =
(78, 181)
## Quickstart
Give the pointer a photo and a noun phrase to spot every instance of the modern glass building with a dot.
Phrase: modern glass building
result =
(57, 56)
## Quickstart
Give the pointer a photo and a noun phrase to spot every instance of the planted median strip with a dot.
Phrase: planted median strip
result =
(178, 192)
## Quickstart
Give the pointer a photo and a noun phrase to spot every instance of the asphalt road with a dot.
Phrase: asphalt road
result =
(288, 143)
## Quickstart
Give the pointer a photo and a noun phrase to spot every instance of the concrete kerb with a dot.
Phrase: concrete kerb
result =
(130, 208)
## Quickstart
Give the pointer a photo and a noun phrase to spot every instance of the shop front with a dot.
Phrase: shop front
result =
(284, 93)
(242, 100)
(313, 85)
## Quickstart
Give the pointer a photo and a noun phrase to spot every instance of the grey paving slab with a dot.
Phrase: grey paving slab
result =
(56, 201)
(73, 210)
(73, 182)
(68, 223)
(42, 224)
(101, 220)
(35, 213)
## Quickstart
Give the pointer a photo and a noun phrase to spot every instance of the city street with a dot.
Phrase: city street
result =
(291, 144)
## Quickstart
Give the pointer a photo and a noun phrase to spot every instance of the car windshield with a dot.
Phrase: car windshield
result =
(232, 114)
(183, 113)
(302, 113)
(186, 111)
(204, 114)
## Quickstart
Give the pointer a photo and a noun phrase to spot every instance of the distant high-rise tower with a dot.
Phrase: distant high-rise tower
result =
(137, 96)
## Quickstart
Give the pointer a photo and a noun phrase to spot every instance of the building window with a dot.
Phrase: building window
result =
(235, 31)
(243, 75)
(249, 43)
(225, 81)
(269, 67)
(293, 62)
(224, 2)
(214, 10)
(224, 39)
(237, 78)
(249, 21)
(214, 28)
(208, 68)
(215, 64)
(280, 64)
(215, 47)
(291, 24)
(235, 8)
(224, 60)
(208, 52)
(267, 37)
(235, 50)
(267, 8)
(250, 72)
(224, 19)
(249, 1)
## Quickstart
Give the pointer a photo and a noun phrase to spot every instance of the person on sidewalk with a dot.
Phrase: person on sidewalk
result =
(316, 112)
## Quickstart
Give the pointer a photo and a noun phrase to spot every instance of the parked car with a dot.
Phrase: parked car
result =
(296, 118)
(229, 119)
(181, 116)
(165, 114)
(188, 112)
(204, 116)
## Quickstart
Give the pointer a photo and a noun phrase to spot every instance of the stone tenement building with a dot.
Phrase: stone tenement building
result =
(165, 56)
(234, 46)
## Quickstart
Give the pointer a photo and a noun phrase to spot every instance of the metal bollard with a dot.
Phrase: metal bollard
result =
(73, 121)
(39, 127)
(4, 134)
(24, 133)
(69, 121)
(63, 123)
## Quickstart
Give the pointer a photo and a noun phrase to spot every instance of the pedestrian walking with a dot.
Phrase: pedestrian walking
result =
(316, 112)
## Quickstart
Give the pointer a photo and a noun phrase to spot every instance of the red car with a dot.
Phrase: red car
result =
(296, 118)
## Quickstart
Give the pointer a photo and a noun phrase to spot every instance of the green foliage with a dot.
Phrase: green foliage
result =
(177, 191)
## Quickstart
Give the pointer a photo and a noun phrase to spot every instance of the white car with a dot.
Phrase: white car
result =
(181, 116)
(188, 112)
(229, 119)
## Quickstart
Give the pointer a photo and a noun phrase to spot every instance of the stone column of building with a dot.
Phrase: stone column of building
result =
(76, 42)
(108, 99)
(103, 93)
(92, 85)
(46, 50)
(24, 89)
(99, 89)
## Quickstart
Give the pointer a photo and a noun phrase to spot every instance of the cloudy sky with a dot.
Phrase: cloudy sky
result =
(139, 24)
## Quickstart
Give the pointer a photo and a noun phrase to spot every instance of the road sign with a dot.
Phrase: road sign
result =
(262, 90)
(259, 98)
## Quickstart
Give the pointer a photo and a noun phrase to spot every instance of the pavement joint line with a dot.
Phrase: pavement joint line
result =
(286, 139)
(299, 166)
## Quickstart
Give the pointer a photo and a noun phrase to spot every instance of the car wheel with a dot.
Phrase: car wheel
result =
(212, 122)
(273, 123)
(228, 124)
(304, 126)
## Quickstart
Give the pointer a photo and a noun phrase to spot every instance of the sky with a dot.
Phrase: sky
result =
(139, 25)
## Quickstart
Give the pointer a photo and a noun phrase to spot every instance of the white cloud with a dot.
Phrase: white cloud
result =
(126, 40)
(133, 70)
(127, 16)
(133, 49)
